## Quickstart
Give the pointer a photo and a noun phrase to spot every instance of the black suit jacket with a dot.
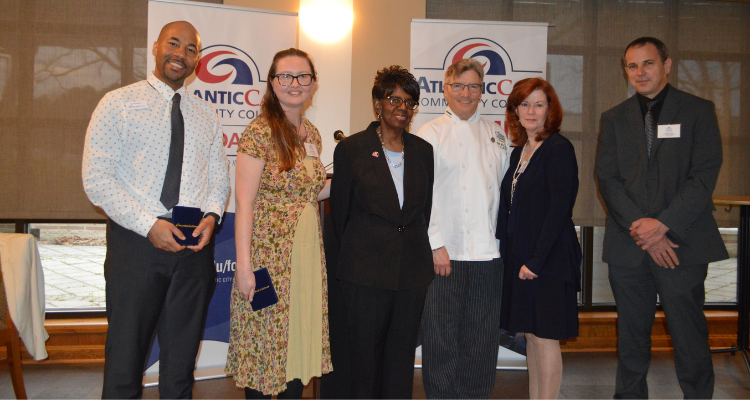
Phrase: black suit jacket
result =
(540, 226)
(674, 185)
(382, 245)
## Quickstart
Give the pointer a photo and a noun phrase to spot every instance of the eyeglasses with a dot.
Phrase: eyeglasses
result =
(459, 87)
(396, 102)
(287, 79)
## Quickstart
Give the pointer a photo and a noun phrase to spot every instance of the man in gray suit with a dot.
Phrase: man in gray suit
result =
(658, 158)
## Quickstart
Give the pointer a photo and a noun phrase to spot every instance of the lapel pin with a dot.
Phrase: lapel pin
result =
(375, 154)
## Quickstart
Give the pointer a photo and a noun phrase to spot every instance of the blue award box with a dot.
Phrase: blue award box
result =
(186, 219)
(265, 294)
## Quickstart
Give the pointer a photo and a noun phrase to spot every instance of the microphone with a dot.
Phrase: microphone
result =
(339, 136)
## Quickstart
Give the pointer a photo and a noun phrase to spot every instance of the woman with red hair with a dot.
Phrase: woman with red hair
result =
(538, 239)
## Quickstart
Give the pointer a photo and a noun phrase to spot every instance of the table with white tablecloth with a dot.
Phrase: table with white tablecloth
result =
(24, 287)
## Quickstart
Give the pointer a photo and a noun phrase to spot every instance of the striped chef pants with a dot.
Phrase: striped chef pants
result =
(460, 327)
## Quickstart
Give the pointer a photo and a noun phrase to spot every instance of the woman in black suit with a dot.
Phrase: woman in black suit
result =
(535, 227)
(381, 197)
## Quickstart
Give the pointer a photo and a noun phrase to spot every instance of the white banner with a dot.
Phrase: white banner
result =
(509, 51)
(238, 47)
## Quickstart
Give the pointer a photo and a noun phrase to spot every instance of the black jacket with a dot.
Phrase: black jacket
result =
(381, 245)
(673, 185)
(541, 225)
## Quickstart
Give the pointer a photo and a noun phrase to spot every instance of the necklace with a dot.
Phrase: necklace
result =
(520, 167)
(387, 158)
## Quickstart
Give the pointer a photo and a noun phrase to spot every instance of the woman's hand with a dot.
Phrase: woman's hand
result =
(245, 281)
(526, 273)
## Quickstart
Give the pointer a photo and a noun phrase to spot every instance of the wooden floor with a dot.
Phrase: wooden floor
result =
(586, 375)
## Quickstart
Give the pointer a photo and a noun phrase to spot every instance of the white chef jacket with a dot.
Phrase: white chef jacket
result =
(470, 161)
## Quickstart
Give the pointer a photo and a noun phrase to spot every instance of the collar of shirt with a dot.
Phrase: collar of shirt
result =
(643, 102)
(451, 115)
(163, 88)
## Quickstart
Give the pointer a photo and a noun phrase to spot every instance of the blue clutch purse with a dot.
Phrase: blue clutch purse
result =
(265, 294)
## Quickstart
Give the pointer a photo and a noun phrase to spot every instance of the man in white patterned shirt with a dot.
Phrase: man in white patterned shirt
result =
(460, 323)
(150, 146)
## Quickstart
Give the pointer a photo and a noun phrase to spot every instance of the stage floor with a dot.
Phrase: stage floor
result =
(586, 375)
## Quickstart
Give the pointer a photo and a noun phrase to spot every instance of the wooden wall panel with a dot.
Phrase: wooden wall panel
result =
(82, 340)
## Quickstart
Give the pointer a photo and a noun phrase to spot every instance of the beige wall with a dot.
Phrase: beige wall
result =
(270, 5)
(381, 36)
(329, 110)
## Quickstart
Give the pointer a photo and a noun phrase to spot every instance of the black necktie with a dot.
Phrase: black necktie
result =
(649, 126)
(170, 191)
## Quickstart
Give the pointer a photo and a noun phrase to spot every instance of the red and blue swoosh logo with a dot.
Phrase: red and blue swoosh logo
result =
(496, 63)
(493, 57)
(206, 68)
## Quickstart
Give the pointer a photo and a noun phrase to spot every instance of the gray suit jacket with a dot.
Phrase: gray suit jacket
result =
(674, 186)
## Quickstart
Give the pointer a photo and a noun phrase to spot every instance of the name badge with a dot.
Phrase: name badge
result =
(668, 131)
(136, 105)
(311, 150)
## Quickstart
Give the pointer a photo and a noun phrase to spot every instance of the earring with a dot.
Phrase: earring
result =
(379, 116)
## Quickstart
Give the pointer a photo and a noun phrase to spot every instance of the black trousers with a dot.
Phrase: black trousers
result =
(461, 331)
(338, 383)
(682, 294)
(148, 288)
(384, 326)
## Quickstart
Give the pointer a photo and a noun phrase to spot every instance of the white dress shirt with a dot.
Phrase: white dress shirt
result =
(127, 148)
(470, 161)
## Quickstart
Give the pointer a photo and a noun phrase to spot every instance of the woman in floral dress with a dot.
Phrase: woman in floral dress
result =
(279, 179)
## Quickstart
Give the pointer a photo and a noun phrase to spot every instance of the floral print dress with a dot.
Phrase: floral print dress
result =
(259, 342)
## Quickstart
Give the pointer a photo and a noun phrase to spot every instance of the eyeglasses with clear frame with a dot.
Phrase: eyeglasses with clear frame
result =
(459, 87)
(396, 102)
(287, 79)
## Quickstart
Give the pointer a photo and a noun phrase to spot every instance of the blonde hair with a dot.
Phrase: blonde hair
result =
(467, 64)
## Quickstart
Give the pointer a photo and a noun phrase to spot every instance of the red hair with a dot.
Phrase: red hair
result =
(521, 90)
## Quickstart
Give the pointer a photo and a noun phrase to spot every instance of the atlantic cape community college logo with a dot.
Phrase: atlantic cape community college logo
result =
(499, 77)
(228, 78)
(490, 59)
